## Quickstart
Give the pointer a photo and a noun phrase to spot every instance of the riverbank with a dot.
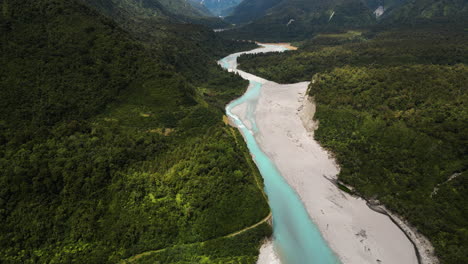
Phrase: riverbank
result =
(288, 46)
(296, 238)
(355, 232)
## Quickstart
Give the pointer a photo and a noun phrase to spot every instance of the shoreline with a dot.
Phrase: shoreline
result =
(355, 230)
(286, 45)
(425, 252)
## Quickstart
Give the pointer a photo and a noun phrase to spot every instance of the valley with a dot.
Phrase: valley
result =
(271, 117)
(156, 131)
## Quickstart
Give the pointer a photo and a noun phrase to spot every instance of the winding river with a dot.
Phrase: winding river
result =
(296, 238)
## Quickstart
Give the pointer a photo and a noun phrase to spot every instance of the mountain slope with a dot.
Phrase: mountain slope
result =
(200, 7)
(420, 11)
(104, 147)
(284, 20)
(218, 7)
(250, 10)
(297, 19)
(159, 10)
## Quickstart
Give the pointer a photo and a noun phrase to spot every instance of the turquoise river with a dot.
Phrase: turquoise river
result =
(297, 239)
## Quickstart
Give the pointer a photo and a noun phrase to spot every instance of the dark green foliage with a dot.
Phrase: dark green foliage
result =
(290, 20)
(90, 59)
(419, 45)
(135, 11)
(110, 146)
(397, 132)
(249, 10)
(220, 250)
(425, 11)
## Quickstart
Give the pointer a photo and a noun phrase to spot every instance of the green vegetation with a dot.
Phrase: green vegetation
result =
(392, 106)
(175, 11)
(445, 45)
(233, 250)
(296, 20)
(249, 10)
(424, 11)
(111, 147)
(397, 132)
(291, 20)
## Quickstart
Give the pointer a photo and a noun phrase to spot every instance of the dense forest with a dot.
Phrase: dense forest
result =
(290, 20)
(397, 133)
(296, 20)
(113, 145)
(392, 106)
(379, 47)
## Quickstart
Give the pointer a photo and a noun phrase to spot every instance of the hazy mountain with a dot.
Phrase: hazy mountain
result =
(197, 4)
(219, 7)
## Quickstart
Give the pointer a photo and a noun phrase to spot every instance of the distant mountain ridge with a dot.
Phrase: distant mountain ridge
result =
(217, 7)
(299, 19)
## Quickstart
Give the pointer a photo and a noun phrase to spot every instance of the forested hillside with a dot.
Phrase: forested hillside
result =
(250, 10)
(399, 133)
(175, 11)
(111, 147)
(297, 19)
(422, 11)
(292, 20)
(392, 107)
(380, 47)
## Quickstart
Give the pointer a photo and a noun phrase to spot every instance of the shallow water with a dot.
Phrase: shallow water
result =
(297, 239)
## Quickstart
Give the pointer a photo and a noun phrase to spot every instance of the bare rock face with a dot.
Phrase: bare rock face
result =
(306, 112)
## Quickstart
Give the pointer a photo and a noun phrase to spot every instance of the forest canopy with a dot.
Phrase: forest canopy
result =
(112, 146)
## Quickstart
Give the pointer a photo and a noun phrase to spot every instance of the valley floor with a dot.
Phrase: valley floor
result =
(355, 232)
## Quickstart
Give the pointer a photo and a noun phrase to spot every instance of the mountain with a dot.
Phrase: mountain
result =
(296, 19)
(250, 10)
(218, 7)
(169, 10)
(423, 11)
(283, 20)
(201, 7)
(111, 147)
